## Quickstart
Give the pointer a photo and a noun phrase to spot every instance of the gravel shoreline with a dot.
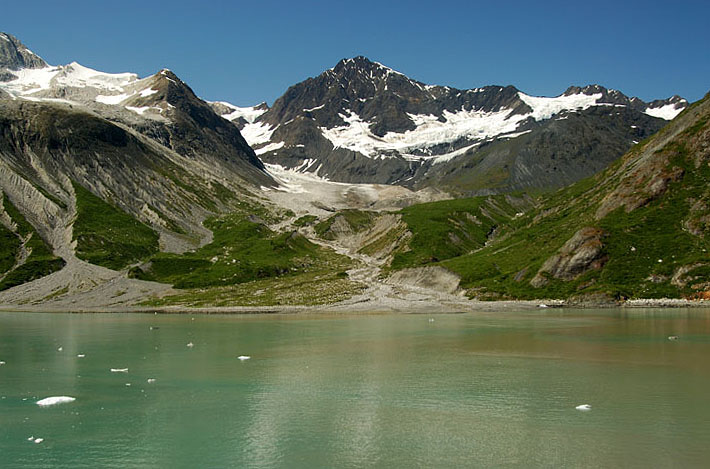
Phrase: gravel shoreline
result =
(370, 307)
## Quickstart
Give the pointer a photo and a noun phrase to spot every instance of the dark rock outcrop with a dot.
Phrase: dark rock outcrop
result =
(583, 251)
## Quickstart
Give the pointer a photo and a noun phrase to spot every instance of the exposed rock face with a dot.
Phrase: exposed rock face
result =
(14, 55)
(364, 122)
(432, 278)
(581, 252)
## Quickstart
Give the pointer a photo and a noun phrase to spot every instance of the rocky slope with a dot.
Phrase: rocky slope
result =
(364, 122)
(639, 229)
(77, 145)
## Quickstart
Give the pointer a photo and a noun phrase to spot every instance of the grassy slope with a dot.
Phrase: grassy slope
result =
(41, 261)
(645, 247)
(450, 228)
(248, 264)
(357, 220)
(107, 236)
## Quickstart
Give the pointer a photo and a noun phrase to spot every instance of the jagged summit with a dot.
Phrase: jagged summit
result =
(14, 55)
(362, 121)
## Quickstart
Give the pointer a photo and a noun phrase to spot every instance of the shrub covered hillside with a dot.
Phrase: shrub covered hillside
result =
(639, 229)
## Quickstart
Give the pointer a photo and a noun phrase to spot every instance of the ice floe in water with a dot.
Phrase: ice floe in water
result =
(584, 407)
(54, 400)
(119, 370)
(243, 357)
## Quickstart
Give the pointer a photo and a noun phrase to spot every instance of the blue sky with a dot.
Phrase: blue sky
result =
(249, 51)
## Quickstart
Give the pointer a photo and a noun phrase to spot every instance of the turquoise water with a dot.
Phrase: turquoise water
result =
(466, 390)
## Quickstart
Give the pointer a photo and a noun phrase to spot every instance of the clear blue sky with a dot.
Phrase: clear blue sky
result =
(250, 51)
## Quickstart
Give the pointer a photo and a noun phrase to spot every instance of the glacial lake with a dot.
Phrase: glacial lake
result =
(455, 390)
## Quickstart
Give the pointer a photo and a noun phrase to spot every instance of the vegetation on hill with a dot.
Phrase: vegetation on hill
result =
(107, 236)
(639, 229)
(40, 261)
(247, 263)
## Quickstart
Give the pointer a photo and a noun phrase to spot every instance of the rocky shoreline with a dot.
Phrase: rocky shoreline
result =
(373, 307)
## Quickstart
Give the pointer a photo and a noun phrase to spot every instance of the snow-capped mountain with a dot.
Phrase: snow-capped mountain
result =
(364, 122)
(147, 145)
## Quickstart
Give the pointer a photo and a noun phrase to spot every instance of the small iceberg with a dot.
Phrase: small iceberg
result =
(243, 357)
(584, 407)
(54, 400)
(119, 370)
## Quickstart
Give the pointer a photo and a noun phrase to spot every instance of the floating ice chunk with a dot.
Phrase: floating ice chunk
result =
(243, 357)
(54, 400)
(151, 380)
(119, 370)
(584, 407)
(38, 440)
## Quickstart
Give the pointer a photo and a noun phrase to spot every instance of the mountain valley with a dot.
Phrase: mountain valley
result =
(360, 187)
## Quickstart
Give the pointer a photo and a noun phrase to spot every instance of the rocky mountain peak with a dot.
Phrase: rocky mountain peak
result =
(14, 55)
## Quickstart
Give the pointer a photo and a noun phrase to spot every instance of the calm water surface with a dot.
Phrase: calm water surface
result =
(466, 390)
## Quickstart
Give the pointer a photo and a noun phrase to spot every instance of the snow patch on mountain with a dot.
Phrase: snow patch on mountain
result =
(30, 81)
(257, 133)
(667, 112)
(268, 148)
(112, 99)
(544, 108)
(249, 114)
(429, 131)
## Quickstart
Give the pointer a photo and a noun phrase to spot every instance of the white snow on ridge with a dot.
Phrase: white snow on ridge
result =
(544, 108)
(475, 125)
(147, 92)
(249, 114)
(112, 99)
(430, 131)
(269, 147)
(667, 112)
(30, 81)
(257, 133)
(316, 108)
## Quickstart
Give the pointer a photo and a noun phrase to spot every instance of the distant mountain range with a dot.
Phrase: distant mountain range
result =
(364, 122)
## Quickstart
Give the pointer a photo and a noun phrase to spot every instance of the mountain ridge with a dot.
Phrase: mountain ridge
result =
(361, 121)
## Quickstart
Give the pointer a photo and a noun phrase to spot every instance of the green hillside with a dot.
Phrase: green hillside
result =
(639, 229)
